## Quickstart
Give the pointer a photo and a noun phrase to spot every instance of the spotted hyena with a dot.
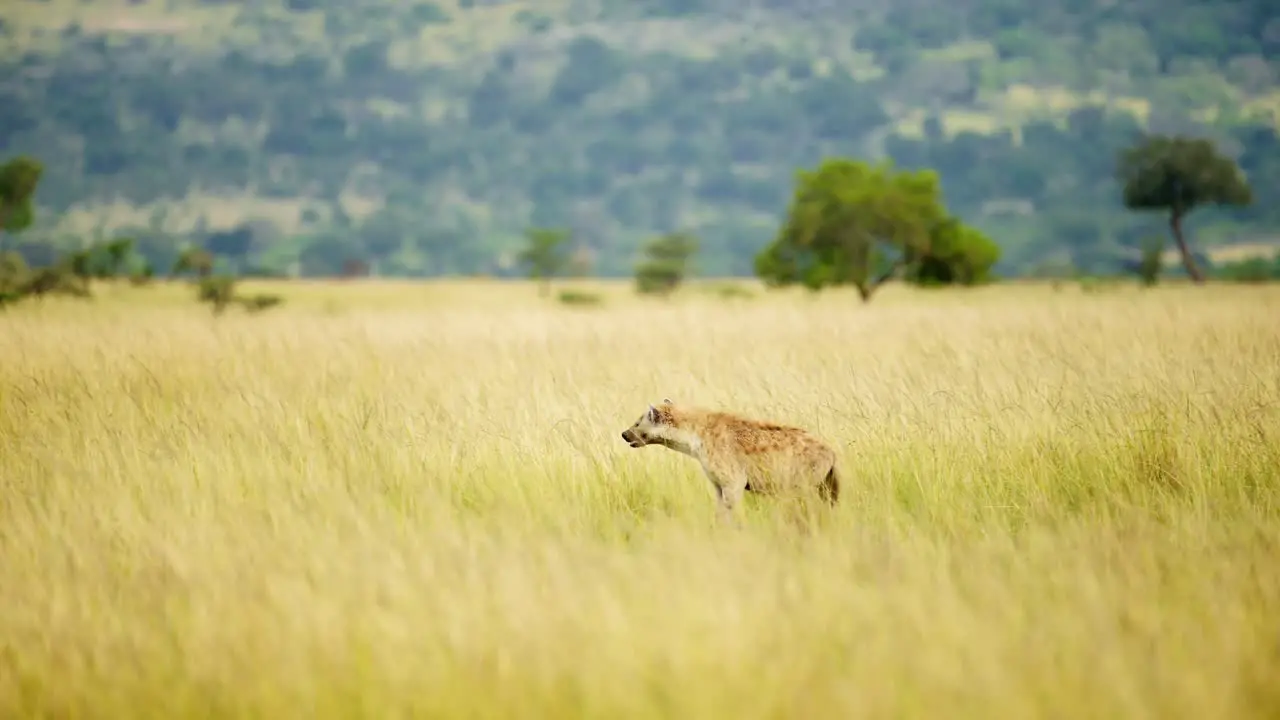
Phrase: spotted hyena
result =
(739, 454)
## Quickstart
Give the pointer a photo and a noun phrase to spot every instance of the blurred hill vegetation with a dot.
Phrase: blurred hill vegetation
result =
(424, 137)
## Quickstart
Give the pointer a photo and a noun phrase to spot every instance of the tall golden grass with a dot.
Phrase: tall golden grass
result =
(395, 499)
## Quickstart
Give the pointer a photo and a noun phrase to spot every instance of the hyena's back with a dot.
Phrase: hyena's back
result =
(778, 459)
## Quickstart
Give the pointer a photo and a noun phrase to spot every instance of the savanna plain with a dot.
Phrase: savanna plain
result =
(394, 499)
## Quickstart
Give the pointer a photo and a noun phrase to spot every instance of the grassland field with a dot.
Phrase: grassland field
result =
(391, 500)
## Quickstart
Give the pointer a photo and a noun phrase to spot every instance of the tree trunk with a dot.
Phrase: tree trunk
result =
(866, 289)
(1175, 223)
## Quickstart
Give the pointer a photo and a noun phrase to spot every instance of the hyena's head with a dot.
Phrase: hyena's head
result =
(653, 428)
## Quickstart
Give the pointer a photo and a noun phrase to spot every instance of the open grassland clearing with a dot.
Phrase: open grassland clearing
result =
(386, 498)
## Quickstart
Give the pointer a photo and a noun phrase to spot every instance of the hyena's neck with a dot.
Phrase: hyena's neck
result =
(685, 441)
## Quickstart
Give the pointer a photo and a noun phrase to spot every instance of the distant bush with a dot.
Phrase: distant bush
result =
(732, 291)
(1250, 270)
(1090, 284)
(579, 298)
(260, 302)
(143, 275)
(70, 274)
(13, 277)
(219, 291)
(56, 280)
(1152, 261)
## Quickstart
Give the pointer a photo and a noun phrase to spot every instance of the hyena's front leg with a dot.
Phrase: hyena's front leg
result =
(730, 487)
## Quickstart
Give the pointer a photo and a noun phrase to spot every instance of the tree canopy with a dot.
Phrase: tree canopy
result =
(19, 179)
(860, 224)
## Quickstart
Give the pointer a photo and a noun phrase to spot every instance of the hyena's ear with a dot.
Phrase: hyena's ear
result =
(667, 401)
(652, 415)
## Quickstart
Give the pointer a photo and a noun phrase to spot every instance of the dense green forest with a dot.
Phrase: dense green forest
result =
(425, 137)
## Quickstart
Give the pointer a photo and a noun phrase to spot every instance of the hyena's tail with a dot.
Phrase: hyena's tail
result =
(830, 488)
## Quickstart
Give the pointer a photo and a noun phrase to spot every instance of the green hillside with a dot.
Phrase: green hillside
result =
(426, 136)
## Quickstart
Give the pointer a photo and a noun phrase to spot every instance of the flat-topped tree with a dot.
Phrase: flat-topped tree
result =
(1177, 174)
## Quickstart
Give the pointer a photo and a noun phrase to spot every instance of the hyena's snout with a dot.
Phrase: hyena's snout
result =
(632, 437)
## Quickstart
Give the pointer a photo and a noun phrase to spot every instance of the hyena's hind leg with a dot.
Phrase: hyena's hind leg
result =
(829, 488)
(811, 512)
(808, 513)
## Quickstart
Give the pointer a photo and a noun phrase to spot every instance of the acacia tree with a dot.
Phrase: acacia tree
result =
(665, 263)
(1177, 174)
(545, 255)
(853, 223)
(18, 181)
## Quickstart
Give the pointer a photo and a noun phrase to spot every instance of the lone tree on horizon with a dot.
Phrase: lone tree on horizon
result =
(1178, 174)
(545, 255)
(666, 263)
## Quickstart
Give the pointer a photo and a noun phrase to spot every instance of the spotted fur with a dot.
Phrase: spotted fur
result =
(739, 454)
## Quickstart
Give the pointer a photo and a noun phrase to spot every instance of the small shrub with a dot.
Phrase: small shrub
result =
(143, 275)
(217, 290)
(1152, 261)
(13, 267)
(57, 280)
(260, 302)
(1090, 284)
(220, 292)
(19, 282)
(656, 281)
(1095, 284)
(732, 291)
(579, 298)
(13, 278)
